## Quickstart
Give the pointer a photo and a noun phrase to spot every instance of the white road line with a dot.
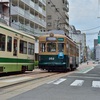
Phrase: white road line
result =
(96, 84)
(59, 81)
(52, 81)
(88, 70)
(77, 83)
(17, 79)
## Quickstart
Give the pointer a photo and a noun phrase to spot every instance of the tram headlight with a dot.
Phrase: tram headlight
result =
(60, 55)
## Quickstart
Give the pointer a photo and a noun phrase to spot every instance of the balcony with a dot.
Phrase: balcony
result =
(27, 2)
(66, 14)
(66, 27)
(43, 1)
(67, 21)
(16, 10)
(65, 8)
(37, 20)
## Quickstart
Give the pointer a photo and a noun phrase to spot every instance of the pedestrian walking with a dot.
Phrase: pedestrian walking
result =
(87, 62)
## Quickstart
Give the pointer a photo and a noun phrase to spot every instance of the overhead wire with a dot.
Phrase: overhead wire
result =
(57, 10)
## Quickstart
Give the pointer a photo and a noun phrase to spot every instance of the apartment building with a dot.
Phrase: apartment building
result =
(57, 15)
(80, 39)
(25, 15)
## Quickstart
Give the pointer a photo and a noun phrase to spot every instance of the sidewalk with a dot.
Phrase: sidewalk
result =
(84, 67)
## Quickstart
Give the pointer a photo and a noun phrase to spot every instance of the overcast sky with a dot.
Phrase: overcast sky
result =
(83, 14)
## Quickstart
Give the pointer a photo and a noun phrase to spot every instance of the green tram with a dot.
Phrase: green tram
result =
(58, 53)
(16, 50)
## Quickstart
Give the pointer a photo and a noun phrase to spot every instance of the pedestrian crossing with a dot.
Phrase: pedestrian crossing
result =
(76, 82)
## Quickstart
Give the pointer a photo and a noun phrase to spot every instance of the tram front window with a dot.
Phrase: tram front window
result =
(42, 47)
(60, 47)
(51, 47)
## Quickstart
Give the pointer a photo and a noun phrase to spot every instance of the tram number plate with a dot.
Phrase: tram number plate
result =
(51, 58)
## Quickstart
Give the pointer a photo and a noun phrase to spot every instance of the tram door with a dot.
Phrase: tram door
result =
(15, 47)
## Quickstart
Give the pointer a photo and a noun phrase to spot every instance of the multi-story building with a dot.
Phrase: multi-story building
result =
(57, 15)
(80, 39)
(26, 15)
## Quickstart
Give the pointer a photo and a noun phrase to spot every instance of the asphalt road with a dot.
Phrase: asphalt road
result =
(77, 86)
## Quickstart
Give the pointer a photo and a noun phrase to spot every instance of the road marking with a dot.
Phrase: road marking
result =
(52, 81)
(88, 70)
(77, 83)
(59, 81)
(17, 79)
(96, 84)
(84, 77)
(84, 70)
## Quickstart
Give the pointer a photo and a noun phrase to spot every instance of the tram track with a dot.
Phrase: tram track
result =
(18, 88)
(27, 78)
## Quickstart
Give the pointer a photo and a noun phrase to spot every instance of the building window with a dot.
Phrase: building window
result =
(49, 17)
(49, 24)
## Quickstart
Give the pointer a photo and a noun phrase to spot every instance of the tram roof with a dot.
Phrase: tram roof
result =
(15, 30)
(58, 35)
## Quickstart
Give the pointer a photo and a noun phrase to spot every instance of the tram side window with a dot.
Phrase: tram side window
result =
(51, 47)
(9, 43)
(60, 47)
(42, 47)
(23, 47)
(30, 48)
(2, 42)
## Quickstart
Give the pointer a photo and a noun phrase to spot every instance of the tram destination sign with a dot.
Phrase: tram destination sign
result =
(60, 39)
(51, 39)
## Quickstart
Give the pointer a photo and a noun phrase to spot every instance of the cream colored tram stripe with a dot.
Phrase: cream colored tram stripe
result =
(96, 84)
(77, 83)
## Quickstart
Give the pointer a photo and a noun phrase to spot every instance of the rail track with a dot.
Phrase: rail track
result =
(16, 88)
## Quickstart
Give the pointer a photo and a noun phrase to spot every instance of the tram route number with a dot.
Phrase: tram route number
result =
(51, 58)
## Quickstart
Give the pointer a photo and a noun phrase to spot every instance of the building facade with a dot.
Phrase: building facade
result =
(57, 15)
(80, 39)
(25, 15)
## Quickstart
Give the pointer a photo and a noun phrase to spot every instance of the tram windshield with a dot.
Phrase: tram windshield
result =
(60, 47)
(51, 47)
(42, 47)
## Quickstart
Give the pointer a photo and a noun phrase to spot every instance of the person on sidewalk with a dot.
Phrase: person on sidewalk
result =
(87, 62)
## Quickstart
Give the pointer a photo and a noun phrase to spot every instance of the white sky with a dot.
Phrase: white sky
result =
(83, 14)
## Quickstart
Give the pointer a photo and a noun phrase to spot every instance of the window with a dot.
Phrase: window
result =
(9, 43)
(51, 47)
(23, 47)
(49, 24)
(30, 48)
(42, 47)
(49, 17)
(60, 47)
(2, 42)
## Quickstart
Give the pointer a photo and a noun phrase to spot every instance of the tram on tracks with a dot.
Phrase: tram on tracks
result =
(16, 50)
(58, 53)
